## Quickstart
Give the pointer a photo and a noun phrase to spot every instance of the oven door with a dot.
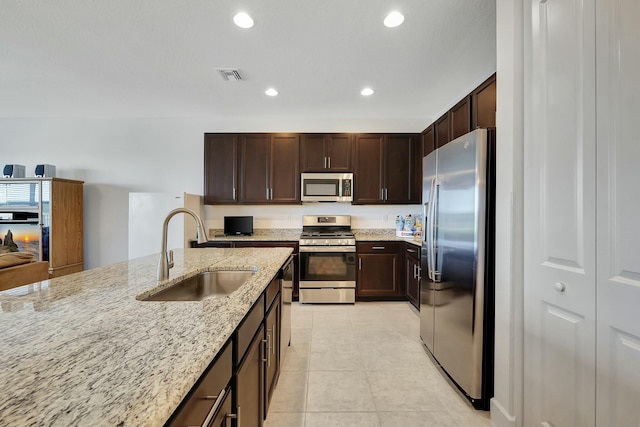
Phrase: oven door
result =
(327, 267)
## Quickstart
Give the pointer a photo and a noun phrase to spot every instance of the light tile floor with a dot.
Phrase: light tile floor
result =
(363, 365)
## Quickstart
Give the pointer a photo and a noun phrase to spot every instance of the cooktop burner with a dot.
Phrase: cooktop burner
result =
(327, 231)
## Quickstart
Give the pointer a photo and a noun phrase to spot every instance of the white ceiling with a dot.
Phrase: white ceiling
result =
(157, 58)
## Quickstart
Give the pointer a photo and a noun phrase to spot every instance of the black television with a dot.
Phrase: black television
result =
(238, 225)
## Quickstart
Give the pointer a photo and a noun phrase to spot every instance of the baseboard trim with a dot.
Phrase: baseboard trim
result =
(500, 417)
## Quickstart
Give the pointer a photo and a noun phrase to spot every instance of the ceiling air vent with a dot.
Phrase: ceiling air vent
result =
(230, 74)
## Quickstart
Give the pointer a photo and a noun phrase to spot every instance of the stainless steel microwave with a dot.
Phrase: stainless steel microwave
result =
(327, 187)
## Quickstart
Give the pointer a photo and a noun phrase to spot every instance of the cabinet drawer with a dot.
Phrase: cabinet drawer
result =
(200, 402)
(271, 292)
(249, 326)
(413, 251)
(378, 247)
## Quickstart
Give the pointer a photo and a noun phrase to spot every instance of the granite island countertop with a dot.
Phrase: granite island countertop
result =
(82, 350)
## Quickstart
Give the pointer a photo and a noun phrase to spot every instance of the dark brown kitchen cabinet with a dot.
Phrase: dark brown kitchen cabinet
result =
(272, 335)
(412, 274)
(250, 383)
(442, 130)
(428, 140)
(269, 171)
(484, 104)
(325, 153)
(380, 271)
(220, 168)
(460, 117)
(212, 389)
(388, 169)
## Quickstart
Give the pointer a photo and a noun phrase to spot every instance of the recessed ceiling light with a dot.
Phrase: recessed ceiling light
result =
(271, 92)
(393, 19)
(243, 20)
(367, 91)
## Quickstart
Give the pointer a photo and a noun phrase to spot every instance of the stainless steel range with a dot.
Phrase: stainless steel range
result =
(327, 260)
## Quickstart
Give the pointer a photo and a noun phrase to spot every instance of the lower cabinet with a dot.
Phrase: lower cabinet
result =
(380, 271)
(236, 389)
(210, 400)
(412, 274)
(272, 334)
(250, 384)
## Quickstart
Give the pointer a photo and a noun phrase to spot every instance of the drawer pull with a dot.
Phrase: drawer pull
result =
(219, 398)
(230, 417)
(378, 248)
(413, 251)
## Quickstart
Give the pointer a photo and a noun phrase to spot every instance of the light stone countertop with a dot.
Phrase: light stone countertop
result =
(383, 235)
(81, 350)
(293, 235)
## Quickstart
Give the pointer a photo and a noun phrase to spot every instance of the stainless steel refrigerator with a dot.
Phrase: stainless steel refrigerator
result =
(457, 285)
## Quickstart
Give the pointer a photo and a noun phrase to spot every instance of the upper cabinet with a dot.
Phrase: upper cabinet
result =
(325, 152)
(428, 140)
(387, 168)
(220, 168)
(484, 104)
(460, 117)
(252, 168)
(478, 109)
(442, 127)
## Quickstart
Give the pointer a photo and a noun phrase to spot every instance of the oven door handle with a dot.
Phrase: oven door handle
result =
(334, 249)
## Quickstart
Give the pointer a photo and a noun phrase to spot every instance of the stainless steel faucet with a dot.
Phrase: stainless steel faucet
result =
(166, 258)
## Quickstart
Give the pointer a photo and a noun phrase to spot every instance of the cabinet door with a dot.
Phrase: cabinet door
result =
(284, 182)
(312, 155)
(338, 151)
(254, 170)
(250, 384)
(484, 104)
(380, 271)
(399, 168)
(220, 168)
(428, 140)
(460, 116)
(442, 130)
(369, 163)
(412, 274)
(272, 335)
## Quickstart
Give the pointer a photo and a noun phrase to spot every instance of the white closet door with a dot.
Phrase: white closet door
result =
(560, 207)
(618, 339)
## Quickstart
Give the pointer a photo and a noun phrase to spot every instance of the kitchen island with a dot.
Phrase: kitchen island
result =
(83, 350)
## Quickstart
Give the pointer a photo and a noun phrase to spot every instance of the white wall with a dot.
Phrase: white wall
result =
(117, 156)
(506, 406)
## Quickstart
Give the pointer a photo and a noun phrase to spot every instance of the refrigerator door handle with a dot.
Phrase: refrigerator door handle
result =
(434, 274)
(429, 231)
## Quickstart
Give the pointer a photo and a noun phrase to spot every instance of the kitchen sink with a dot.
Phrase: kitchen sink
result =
(202, 285)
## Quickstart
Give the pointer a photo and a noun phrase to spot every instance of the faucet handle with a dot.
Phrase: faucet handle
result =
(171, 258)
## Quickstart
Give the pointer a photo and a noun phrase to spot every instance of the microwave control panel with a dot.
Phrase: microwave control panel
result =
(346, 187)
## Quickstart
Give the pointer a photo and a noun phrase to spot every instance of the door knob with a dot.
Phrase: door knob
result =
(560, 287)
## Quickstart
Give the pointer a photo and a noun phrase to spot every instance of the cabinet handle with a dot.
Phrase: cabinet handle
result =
(382, 193)
(269, 345)
(325, 163)
(419, 273)
(386, 193)
(264, 350)
(234, 193)
(359, 263)
(413, 251)
(267, 189)
(271, 193)
(329, 162)
(214, 408)
(229, 417)
(378, 248)
(414, 271)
